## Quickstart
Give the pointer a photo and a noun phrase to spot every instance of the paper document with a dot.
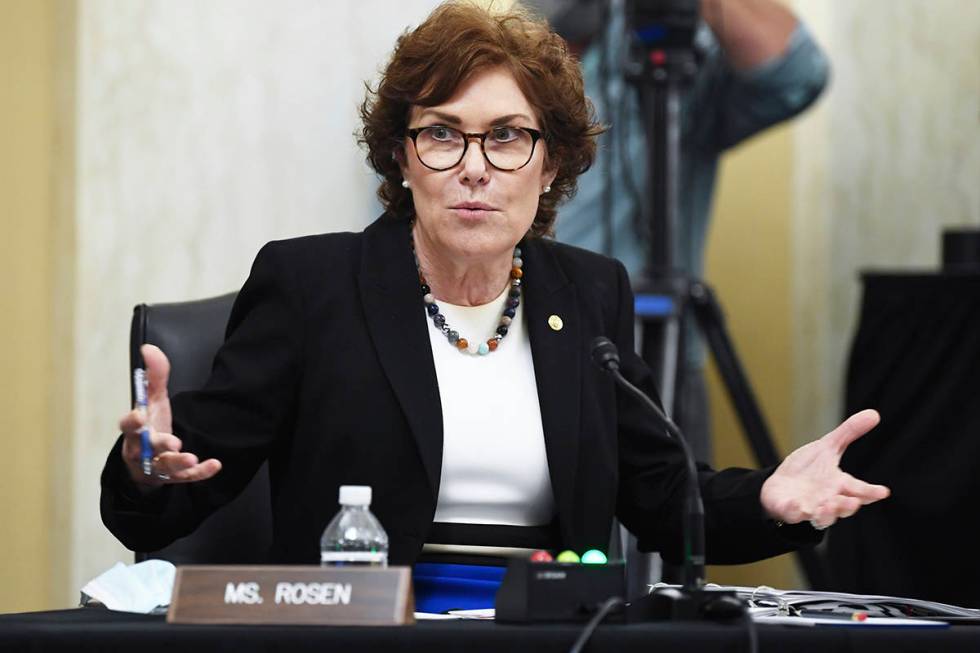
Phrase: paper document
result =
(144, 587)
(765, 602)
(842, 622)
(482, 613)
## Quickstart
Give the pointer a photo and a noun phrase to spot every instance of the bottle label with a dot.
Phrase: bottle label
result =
(354, 558)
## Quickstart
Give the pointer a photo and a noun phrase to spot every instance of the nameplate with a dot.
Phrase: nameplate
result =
(343, 596)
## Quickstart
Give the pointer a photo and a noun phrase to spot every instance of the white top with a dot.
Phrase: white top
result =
(494, 466)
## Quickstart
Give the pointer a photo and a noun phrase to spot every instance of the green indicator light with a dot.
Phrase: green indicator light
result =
(567, 556)
(594, 557)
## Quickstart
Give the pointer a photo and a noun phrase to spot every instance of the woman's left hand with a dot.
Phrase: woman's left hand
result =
(810, 485)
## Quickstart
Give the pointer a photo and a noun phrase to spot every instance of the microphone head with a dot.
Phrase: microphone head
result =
(605, 354)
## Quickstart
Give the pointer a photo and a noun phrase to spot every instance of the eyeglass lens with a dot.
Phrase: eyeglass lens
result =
(442, 147)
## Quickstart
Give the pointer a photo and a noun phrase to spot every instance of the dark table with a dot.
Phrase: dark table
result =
(92, 629)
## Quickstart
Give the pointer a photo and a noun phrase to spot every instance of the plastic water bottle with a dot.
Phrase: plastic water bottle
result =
(354, 536)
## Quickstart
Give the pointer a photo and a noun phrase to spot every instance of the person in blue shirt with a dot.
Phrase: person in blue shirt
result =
(758, 66)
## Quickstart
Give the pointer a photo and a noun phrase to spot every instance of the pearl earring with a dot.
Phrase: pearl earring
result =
(405, 183)
(545, 190)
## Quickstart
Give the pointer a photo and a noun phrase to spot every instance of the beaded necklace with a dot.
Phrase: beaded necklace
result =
(510, 309)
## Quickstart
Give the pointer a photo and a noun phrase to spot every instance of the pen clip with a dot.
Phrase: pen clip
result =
(139, 387)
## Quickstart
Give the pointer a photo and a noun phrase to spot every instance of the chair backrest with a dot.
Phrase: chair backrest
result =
(190, 334)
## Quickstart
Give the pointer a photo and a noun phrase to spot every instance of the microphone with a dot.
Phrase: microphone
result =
(606, 356)
(692, 601)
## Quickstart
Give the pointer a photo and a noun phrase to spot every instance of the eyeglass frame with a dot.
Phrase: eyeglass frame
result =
(535, 134)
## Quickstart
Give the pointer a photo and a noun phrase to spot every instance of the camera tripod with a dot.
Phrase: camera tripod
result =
(665, 64)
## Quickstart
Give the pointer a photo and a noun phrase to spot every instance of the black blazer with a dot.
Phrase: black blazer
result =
(327, 372)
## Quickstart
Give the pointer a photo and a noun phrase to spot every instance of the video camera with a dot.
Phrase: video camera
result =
(663, 24)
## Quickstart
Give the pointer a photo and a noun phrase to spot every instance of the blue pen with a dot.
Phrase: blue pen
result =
(146, 449)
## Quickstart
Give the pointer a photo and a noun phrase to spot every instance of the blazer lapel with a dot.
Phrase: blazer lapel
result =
(557, 353)
(395, 320)
(389, 288)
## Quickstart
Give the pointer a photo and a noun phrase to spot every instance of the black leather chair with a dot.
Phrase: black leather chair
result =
(190, 334)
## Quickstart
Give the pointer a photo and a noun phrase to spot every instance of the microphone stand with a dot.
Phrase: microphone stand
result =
(691, 601)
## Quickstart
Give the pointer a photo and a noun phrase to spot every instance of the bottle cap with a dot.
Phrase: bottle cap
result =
(355, 495)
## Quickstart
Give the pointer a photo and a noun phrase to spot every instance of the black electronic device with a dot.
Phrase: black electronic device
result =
(682, 604)
(536, 592)
(664, 23)
(961, 250)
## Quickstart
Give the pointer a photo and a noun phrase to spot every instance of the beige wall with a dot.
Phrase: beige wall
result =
(26, 196)
(749, 265)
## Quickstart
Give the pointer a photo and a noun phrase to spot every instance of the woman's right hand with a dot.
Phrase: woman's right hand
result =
(170, 464)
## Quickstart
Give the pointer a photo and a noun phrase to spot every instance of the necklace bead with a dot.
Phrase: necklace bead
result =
(506, 319)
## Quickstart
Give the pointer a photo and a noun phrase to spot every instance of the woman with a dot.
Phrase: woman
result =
(441, 355)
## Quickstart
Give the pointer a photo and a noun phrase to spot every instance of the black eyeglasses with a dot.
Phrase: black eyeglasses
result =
(506, 148)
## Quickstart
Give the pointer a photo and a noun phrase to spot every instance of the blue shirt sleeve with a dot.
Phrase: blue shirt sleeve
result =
(727, 106)
(722, 108)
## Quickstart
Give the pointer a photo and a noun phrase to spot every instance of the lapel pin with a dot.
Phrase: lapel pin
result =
(555, 323)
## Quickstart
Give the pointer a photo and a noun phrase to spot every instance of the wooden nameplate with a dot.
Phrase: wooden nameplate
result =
(342, 596)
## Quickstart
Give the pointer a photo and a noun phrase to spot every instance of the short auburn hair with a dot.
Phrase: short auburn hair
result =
(457, 40)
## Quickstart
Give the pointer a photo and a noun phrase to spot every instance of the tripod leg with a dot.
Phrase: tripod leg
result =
(712, 324)
(660, 350)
